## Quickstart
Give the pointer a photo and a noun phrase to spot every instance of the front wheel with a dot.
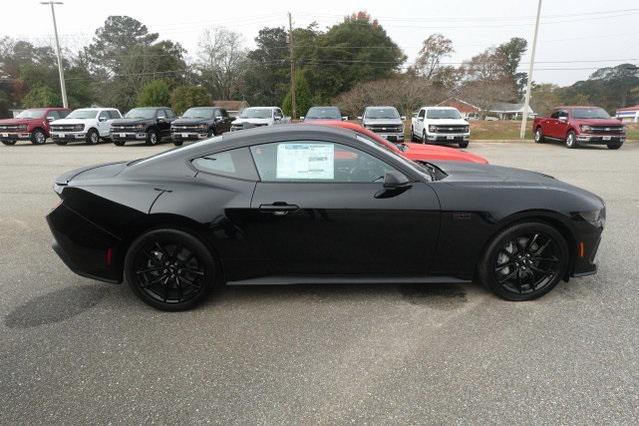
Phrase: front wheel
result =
(169, 269)
(60, 142)
(93, 137)
(178, 142)
(614, 145)
(152, 137)
(413, 136)
(463, 144)
(119, 142)
(539, 135)
(38, 137)
(424, 139)
(571, 140)
(525, 261)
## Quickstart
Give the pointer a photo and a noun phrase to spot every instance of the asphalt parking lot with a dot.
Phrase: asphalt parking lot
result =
(76, 351)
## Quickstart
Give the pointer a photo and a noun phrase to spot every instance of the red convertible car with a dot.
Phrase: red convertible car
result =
(412, 151)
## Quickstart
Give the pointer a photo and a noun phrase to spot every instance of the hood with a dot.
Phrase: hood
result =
(97, 171)
(129, 121)
(421, 152)
(252, 120)
(458, 171)
(71, 121)
(447, 121)
(17, 121)
(190, 121)
(598, 122)
(391, 121)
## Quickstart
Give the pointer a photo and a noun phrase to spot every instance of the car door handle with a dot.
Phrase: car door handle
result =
(278, 208)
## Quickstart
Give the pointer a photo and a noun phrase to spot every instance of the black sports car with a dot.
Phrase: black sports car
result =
(310, 204)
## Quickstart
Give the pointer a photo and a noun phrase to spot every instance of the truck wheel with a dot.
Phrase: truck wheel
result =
(92, 137)
(9, 142)
(210, 133)
(463, 144)
(413, 137)
(38, 137)
(178, 142)
(424, 139)
(539, 135)
(119, 142)
(60, 142)
(614, 145)
(152, 137)
(571, 140)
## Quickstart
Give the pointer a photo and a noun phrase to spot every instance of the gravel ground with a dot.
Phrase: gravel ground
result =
(73, 350)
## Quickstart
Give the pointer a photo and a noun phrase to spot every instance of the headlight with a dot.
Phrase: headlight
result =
(140, 126)
(595, 218)
(78, 127)
(22, 127)
(585, 128)
(432, 128)
(202, 126)
(466, 129)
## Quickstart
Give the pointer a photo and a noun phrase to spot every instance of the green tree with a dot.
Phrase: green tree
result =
(303, 96)
(154, 93)
(184, 97)
(511, 52)
(41, 96)
(544, 97)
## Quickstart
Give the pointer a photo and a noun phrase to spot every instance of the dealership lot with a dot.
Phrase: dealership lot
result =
(75, 350)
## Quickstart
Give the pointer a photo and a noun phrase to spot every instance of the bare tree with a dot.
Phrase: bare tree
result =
(484, 94)
(428, 63)
(220, 62)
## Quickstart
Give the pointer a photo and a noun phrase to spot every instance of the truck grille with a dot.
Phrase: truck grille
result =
(186, 129)
(63, 127)
(243, 126)
(10, 128)
(451, 129)
(125, 128)
(380, 128)
(609, 130)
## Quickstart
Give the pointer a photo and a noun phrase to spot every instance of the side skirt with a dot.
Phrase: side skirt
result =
(301, 279)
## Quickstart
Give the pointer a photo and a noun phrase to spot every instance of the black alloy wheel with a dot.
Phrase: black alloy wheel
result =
(152, 137)
(169, 269)
(93, 137)
(525, 261)
(38, 137)
(210, 133)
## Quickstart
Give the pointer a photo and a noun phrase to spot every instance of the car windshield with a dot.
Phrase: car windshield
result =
(378, 113)
(198, 113)
(182, 149)
(409, 163)
(140, 113)
(589, 113)
(83, 113)
(256, 113)
(324, 113)
(32, 113)
(442, 114)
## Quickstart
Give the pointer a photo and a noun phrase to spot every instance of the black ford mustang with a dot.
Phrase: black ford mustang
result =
(298, 204)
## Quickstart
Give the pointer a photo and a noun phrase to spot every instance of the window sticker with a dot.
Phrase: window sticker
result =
(305, 161)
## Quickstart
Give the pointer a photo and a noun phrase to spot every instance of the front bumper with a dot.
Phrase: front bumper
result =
(391, 137)
(600, 139)
(128, 136)
(588, 238)
(14, 136)
(187, 136)
(447, 137)
(68, 136)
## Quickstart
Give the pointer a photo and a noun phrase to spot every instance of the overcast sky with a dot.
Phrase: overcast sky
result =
(576, 36)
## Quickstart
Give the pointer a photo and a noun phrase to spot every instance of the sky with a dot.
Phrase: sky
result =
(575, 36)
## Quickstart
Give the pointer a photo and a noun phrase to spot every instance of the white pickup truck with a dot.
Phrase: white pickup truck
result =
(259, 116)
(84, 124)
(440, 124)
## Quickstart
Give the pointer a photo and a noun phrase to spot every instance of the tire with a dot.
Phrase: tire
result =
(210, 133)
(60, 142)
(93, 137)
(119, 142)
(38, 137)
(413, 137)
(525, 261)
(571, 140)
(177, 142)
(170, 269)
(614, 145)
(152, 137)
(463, 144)
(539, 135)
(424, 139)
(9, 142)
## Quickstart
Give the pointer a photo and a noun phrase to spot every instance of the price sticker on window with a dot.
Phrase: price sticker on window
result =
(305, 161)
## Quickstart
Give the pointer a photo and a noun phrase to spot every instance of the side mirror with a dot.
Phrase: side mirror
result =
(344, 117)
(102, 119)
(420, 118)
(50, 118)
(403, 117)
(563, 119)
(395, 180)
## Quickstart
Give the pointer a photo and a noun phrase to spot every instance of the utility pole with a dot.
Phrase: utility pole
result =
(524, 117)
(291, 47)
(63, 87)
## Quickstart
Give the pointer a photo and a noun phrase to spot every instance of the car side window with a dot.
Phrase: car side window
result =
(160, 114)
(104, 115)
(114, 114)
(236, 163)
(555, 114)
(170, 113)
(562, 114)
(63, 114)
(422, 113)
(218, 113)
(278, 113)
(315, 161)
(53, 114)
(224, 113)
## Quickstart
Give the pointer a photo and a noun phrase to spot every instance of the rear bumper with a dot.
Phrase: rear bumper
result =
(85, 248)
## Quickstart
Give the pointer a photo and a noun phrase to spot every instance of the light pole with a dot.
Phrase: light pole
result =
(524, 117)
(63, 87)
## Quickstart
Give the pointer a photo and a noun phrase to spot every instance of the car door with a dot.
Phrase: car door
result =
(226, 120)
(277, 116)
(162, 121)
(104, 123)
(550, 125)
(320, 208)
(419, 124)
(561, 124)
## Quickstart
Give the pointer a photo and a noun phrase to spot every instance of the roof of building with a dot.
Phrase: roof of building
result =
(461, 105)
(231, 105)
(629, 108)
(508, 107)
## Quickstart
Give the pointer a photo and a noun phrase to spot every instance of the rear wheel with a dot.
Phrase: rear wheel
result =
(614, 145)
(539, 135)
(170, 269)
(38, 137)
(525, 261)
(571, 140)
(92, 137)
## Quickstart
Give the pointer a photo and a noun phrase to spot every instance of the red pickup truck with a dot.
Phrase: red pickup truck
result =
(580, 125)
(32, 124)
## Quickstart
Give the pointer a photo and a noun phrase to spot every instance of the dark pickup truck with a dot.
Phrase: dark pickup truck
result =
(200, 123)
(580, 125)
(149, 124)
